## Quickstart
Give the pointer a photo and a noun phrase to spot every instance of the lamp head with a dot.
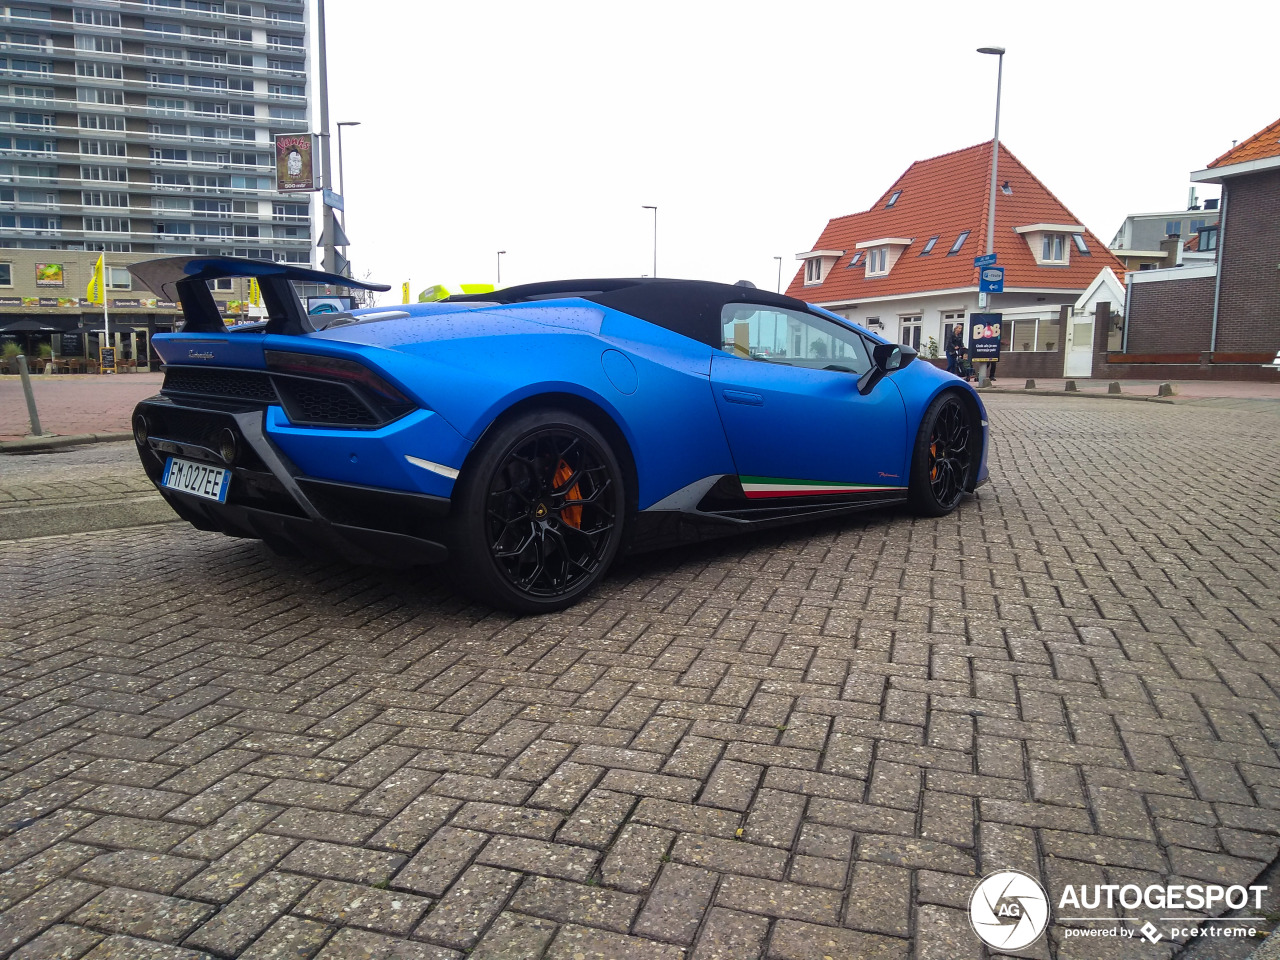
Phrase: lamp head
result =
(995, 51)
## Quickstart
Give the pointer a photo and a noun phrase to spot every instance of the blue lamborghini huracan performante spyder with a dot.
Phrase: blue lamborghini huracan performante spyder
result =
(531, 435)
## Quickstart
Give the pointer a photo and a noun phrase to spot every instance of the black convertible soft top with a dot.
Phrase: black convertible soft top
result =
(689, 307)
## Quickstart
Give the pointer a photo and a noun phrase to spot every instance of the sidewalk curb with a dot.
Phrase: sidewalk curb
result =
(1078, 393)
(79, 516)
(48, 442)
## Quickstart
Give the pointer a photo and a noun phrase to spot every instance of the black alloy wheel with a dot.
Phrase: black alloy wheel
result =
(944, 457)
(540, 514)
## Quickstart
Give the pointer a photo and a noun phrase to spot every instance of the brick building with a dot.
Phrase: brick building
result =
(1220, 318)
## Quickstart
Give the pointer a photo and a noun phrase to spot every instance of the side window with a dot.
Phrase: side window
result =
(788, 336)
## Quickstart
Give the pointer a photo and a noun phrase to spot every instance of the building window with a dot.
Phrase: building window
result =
(877, 261)
(1208, 238)
(1173, 228)
(1081, 247)
(1030, 334)
(1054, 249)
(102, 71)
(955, 247)
(855, 259)
(893, 199)
(103, 148)
(813, 270)
(118, 278)
(6, 275)
(88, 121)
(909, 331)
(98, 44)
(928, 246)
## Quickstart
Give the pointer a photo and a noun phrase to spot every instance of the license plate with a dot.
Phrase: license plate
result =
(197, 479)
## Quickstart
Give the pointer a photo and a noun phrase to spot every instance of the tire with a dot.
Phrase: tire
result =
(945, 456)
(539, 513)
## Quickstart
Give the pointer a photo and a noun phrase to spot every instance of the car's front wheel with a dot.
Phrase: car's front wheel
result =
(944, 457)
(538, 512)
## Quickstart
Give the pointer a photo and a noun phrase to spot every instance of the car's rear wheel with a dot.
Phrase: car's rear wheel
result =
(944, 457)
(538, 513)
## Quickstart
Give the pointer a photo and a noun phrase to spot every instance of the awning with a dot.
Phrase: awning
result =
(41, 325)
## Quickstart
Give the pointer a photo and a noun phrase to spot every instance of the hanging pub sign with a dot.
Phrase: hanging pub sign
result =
(295, 162)
(984, 336)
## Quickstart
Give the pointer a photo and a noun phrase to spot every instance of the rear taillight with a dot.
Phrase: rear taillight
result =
(332, 368)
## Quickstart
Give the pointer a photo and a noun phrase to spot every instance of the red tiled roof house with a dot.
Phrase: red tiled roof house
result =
(905, 267)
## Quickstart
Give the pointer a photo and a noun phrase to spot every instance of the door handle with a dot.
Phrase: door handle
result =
(741, 396)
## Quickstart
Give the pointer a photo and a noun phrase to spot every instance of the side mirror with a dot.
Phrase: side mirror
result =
(885, 358)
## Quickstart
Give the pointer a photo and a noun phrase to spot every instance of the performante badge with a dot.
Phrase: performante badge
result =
(1008, 910)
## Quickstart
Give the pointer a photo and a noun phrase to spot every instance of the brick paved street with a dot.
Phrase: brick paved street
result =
(70, 404)
(797, 746)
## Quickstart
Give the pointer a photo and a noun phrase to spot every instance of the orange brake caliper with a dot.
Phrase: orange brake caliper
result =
(570, 515)
(933, 460)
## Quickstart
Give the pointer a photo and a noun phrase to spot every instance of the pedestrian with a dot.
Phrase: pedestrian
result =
(955, 348)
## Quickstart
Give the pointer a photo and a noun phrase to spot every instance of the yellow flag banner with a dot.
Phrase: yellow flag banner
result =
(255, 292)
(404, 292)
(97, 285)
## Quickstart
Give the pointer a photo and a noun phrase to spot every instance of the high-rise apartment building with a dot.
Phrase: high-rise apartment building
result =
(147, 126)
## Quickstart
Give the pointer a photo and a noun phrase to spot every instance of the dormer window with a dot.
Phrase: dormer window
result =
(893, 199)
(882, 254)
(1048, 242)
(817, 264)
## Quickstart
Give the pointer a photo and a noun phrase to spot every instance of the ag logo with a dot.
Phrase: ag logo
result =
(1008, 910)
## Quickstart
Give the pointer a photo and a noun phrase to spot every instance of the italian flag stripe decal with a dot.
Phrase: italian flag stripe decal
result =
(757, 488)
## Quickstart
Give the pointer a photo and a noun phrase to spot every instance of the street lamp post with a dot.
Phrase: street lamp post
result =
(500, 253)
(997, 52)
(326, 211)
(342, 189)
(655, 236)
(984, 375)
(779, 259)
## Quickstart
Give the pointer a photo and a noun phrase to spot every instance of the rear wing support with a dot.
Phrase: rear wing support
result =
(185, 279)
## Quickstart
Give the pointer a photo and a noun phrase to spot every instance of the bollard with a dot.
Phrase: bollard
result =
(1031, 385)
(1166, 390)
(31, 400)
(1113, 386)
(1071, 386)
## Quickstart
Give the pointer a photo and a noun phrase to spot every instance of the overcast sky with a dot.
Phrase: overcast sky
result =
(542, 129)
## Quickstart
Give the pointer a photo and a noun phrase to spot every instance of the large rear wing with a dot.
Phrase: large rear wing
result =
(185, 279)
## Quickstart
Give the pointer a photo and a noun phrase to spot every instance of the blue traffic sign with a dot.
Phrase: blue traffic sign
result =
(991, 280)
(986, 260)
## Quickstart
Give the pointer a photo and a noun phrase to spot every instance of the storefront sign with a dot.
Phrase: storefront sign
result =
(48, 274)
(984, 336)
(131, 304)
(10, 301)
